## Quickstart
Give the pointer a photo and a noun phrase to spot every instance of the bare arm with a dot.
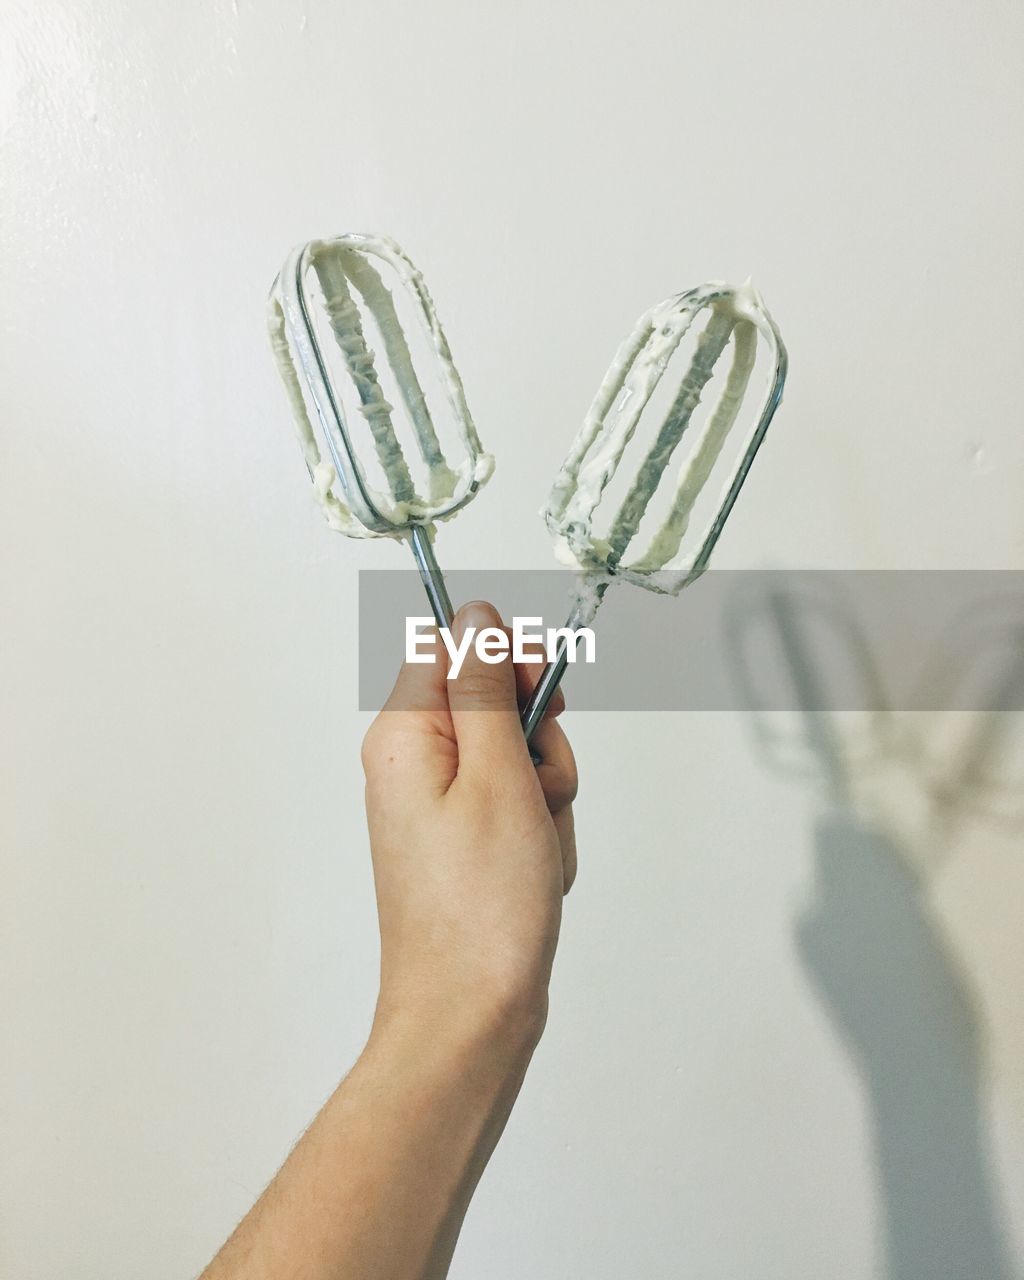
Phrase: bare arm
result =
(472, 849)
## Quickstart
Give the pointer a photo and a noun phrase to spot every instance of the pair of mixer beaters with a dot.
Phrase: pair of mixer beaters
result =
(330, 373)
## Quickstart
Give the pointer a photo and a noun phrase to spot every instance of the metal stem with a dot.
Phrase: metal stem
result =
(551, 676)
(440, 602)
(544, 691)
(430, 575)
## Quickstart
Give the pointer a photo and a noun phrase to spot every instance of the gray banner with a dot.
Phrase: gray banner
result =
(754, 640)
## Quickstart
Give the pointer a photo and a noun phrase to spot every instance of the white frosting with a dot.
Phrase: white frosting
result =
(736, 315)
(350, 504)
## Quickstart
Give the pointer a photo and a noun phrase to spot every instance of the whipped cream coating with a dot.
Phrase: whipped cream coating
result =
(735, 315)
(350, 504)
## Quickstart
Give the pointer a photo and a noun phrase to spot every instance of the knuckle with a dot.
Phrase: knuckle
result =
(482, 687)
(375, 746)
(560, 783)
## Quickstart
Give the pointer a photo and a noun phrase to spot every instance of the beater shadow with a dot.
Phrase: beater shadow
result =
(973, 782)
(878, 961)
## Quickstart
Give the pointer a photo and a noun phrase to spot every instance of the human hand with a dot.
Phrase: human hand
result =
(473, 849)
(877, 956)
(473, 845)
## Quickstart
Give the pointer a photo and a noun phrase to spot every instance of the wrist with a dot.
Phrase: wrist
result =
(499, 1032)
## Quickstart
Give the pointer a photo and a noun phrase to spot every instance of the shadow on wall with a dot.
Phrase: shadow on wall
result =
(876, 956)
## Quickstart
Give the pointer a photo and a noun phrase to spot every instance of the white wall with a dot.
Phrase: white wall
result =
(188, 940)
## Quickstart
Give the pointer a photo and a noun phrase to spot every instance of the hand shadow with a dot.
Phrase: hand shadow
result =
(878, 961)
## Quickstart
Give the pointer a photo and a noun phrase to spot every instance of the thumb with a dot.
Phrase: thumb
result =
(482, 697)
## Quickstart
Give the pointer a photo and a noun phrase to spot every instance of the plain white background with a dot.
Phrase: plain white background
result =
(189, 941)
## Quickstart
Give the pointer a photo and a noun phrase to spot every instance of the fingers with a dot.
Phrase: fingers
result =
(412, 735)
(556, 772)
(482, 698)
(422, 686)
(566, 829)
(560, 783)
(480, 704)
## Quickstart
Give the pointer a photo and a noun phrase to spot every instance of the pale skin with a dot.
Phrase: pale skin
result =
(473, 849)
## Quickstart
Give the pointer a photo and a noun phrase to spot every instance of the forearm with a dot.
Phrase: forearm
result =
(473, 848)
(378, 1186)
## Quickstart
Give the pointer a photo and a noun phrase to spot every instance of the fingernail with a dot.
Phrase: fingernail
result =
(477, 614)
